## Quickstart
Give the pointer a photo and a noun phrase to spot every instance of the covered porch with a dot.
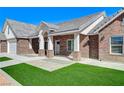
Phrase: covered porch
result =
(67, 45)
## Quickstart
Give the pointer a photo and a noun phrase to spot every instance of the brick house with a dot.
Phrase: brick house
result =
(94, 36)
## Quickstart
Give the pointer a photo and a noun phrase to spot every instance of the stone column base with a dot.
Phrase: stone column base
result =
(76, 56)
(50, 53)
(41, 52)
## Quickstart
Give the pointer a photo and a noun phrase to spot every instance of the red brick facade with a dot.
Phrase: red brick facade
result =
(94, 46)
(23, 46)
(63, 43)
(84, 46)
(87, 44)
(114, 28)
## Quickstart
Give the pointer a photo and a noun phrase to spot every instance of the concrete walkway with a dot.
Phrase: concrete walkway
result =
(106, 64)
(7, 80)
(50, 64)
(17, 59)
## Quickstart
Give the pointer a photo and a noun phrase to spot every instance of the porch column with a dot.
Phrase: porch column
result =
(50, 51)
(41, 45)
(76, 53)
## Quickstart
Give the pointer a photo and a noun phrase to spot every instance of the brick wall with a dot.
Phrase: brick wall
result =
(94, 46)
(114, 28)
(23, 46)
(3, 46)
(35, 46)
(84, 46)
(63, 43)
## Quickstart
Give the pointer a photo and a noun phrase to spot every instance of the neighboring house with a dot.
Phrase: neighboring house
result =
(94, 36)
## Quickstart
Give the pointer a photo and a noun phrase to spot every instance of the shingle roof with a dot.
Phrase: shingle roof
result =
(104, 22)
(2, 36)
(76, 23)
(51, 26)
(21, 29)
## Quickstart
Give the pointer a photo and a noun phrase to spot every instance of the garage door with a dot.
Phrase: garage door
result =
(12, 47)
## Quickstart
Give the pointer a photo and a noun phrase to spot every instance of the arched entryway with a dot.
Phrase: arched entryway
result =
(45, 44)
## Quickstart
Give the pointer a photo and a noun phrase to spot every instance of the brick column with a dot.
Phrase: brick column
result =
(41, 45)
(76, 53)
(50, 51)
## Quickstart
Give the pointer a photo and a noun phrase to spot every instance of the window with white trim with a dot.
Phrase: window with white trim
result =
(70, 45)
(116, 45)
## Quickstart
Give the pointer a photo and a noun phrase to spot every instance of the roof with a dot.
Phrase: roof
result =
(105, 22)
(82, 22)
(2, 36)
(51, 26)
(75, 24)
(21, 29)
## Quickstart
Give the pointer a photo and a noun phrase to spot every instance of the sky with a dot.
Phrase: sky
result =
(35, 15)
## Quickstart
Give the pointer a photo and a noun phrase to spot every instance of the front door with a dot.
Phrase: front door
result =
(57, 47)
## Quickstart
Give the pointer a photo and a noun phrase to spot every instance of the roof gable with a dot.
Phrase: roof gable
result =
(79, 23)
(20, 29)
(105, 22)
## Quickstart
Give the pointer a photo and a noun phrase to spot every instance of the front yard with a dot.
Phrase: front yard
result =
(4, 59)
(74, 75)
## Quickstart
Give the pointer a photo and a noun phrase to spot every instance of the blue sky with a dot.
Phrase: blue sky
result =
(35, 15)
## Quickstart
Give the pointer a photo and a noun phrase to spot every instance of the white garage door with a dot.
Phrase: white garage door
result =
(12, 47)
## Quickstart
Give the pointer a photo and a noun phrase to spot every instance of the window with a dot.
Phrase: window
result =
(70, 45)
(116, 44)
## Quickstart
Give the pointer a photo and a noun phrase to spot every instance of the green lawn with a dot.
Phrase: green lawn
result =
(76, 74)
(4, 59)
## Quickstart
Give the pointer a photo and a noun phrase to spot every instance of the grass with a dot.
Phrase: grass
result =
(74, 75)
(4, 59)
